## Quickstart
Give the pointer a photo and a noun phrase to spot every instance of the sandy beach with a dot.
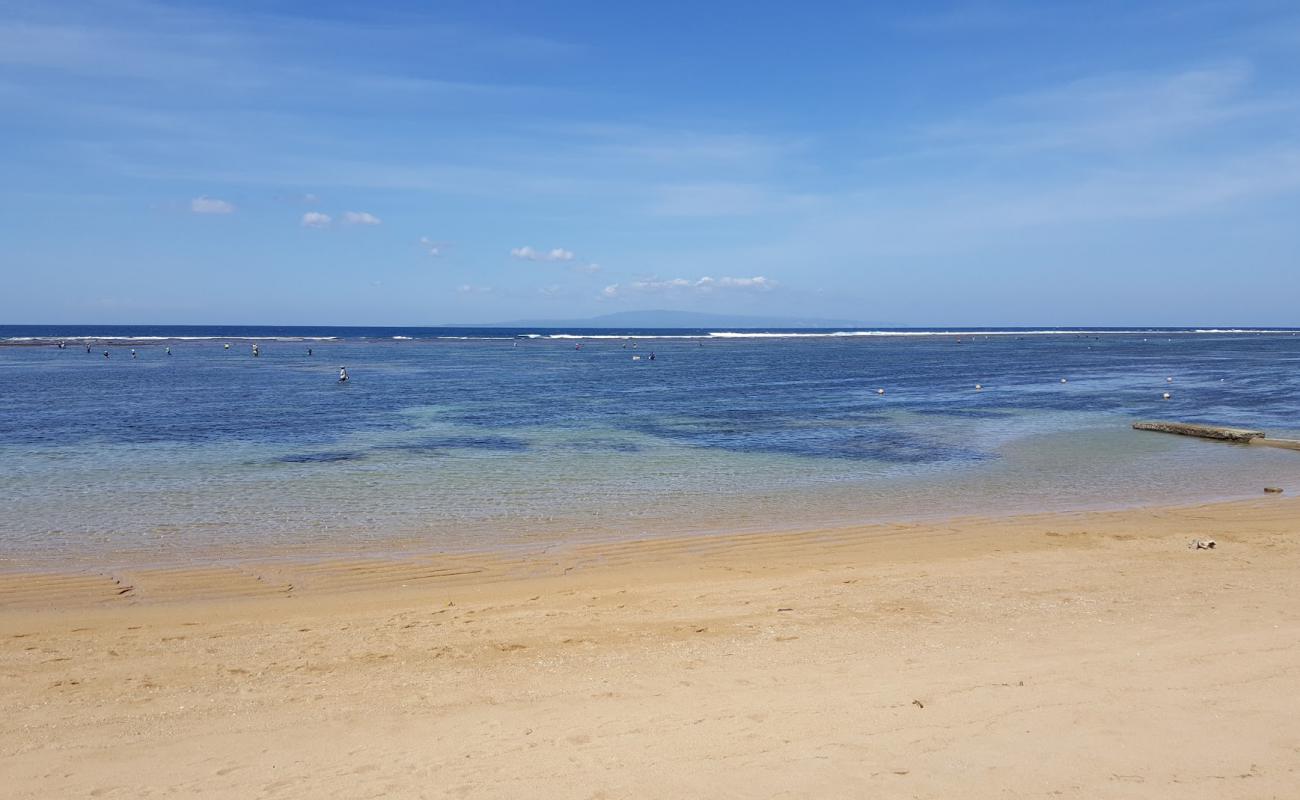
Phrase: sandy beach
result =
(1084, 655)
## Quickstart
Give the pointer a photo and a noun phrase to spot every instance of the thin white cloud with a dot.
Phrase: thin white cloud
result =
(431, 247)
(360, 218)
(756, 282)
(698, 285)
(586, 269)
(315, 219)
(211, 205)
(466, 288)
(528, 253)
(1107, 113)
(729, 199)
(217, 49)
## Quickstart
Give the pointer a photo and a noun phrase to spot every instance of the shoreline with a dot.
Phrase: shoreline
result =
(415, 548)
(1079, 655)
(294, 570)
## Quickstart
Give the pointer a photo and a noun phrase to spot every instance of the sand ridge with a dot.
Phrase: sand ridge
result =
(1059, 655)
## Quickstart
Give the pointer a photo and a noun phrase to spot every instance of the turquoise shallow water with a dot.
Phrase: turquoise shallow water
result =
(453, 440)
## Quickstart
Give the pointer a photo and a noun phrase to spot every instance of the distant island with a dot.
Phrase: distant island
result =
(675, 319)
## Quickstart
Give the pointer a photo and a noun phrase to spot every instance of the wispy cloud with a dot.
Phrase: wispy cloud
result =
(1118, 111)
(710, 200)
(315, 219)
(729, 199)
(431, 247)
(697, 285)
(187, 44)
(527, 253)
(211, 205)
(359, 218)
(468, 288)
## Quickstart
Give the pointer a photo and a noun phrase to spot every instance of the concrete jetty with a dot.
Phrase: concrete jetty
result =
(1202, 431)
(1223, 434)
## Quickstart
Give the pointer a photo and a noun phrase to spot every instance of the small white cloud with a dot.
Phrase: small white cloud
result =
(431, 247)
(586, 269)
(466, 288)
(211, 205)
(533, 254)
(699, 285)
(360, 218)
(315, 219)
(756, 282)
(310, 199)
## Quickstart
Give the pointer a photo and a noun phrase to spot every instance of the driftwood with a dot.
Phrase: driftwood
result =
(1203, 431)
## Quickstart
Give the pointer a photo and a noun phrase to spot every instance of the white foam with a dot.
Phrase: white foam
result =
(627, 336)
(1242, 330)
(843, 334)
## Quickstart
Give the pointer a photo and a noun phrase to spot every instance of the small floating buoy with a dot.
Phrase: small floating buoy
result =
(1166, 395)
(1170, 379)
(979, 387)
(636, 358)
(227, 345)
(1063, 380)
(880, 391)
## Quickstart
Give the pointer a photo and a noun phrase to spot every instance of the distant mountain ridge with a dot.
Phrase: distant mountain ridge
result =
(679, 319)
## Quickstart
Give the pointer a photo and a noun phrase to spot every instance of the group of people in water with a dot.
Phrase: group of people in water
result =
(343, 371)
(257, 352)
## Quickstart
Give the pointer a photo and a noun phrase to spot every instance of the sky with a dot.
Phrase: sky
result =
(411, 163)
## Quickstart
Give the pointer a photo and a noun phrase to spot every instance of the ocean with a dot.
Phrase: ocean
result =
(456, 439)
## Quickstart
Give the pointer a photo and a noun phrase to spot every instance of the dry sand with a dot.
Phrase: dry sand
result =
(1075, 655)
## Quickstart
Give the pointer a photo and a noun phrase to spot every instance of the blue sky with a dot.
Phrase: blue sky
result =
(417, 163)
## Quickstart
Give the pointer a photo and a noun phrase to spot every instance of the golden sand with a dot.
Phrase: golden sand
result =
(1070, 655)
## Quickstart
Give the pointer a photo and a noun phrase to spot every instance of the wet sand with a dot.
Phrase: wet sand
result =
(1088, 655)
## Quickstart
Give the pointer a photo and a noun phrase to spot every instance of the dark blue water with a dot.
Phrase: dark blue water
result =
(455, 438)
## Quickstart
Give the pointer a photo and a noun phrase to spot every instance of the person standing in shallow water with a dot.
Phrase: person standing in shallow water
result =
(343, 374)
(256, 352)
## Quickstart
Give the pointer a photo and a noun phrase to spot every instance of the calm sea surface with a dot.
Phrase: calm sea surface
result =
(453, 439)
